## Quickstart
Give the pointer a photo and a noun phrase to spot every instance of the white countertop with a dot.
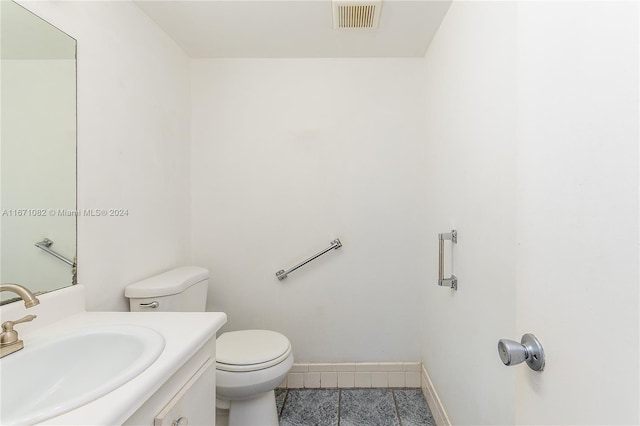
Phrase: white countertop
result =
(184, 332)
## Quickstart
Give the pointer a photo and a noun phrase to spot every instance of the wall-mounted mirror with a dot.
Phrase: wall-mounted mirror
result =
(37, 152)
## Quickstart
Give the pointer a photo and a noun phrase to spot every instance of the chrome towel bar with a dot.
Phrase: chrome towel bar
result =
(282, 274)
(452, 281)
(46, 243)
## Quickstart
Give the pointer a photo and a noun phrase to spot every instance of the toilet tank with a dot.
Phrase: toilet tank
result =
(181, 289)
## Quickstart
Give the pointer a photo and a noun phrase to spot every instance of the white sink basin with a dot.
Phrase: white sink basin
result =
(48, 378)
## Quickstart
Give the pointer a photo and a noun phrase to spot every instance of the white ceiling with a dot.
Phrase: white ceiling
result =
(293, 28)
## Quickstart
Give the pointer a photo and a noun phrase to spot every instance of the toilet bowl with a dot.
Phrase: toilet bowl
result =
(250, 364)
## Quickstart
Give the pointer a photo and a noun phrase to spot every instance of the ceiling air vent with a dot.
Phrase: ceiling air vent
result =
(356, 14)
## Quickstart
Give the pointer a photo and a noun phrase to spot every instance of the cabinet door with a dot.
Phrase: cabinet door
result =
(195, 402)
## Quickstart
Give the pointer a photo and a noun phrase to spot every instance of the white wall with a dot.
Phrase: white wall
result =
(577, 215)
(469, 180)
(133, 145)
(289, 154)
(533, 131)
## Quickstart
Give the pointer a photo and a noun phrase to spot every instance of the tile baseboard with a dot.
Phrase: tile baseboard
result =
(345, 375)
(433, 401)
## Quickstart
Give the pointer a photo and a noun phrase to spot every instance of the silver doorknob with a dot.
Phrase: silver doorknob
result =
(529, 349)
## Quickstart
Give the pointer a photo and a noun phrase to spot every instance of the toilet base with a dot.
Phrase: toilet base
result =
(258, 411)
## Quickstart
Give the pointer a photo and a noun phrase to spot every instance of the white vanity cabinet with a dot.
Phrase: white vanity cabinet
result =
(192, 404)
(179, 383)
(187, 398)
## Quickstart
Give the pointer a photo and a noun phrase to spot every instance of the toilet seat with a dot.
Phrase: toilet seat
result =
(250, 350)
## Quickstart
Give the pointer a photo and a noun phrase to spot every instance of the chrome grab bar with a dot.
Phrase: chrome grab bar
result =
(282, 274)
(452, 281)
(46, 243)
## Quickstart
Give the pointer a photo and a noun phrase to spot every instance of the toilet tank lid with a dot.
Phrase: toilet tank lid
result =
(171, 282)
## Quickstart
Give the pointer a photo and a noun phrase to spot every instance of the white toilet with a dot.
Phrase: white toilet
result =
(249, 363)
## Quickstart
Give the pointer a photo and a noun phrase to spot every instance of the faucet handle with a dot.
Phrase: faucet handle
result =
(26, 318)
(9, 335)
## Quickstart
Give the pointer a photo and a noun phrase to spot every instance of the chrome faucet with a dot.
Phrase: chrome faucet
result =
(9, 341)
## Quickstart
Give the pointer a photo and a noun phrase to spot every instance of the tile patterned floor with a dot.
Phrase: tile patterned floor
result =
(353, 407)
